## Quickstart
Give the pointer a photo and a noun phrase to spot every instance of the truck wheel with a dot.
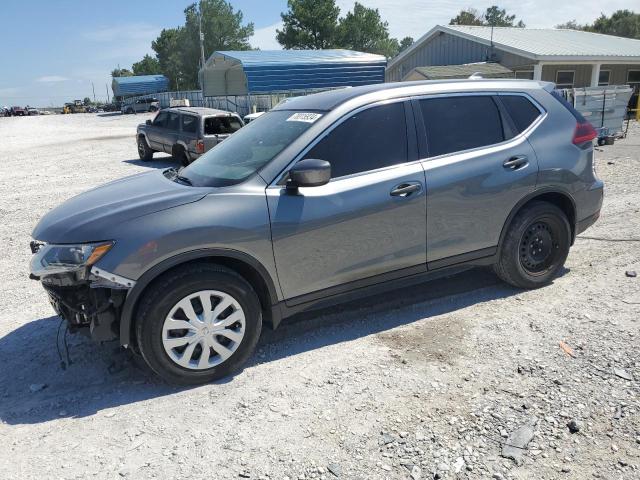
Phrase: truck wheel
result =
(129, 110)
(144, 152)
(178, 153)
(198, 323)
(535, 247)
(153, 109)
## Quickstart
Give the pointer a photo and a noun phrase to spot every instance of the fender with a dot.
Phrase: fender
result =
(126, 317)
(531, 196)
(144, 136)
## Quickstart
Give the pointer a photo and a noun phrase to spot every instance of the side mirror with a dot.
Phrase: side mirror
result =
(148, 122)
(309, 172)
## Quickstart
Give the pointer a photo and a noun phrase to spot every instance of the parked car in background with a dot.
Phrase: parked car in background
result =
(252, 116)
(18, 111)
(326, 198)
(141, 105)
(32, 111)
(185, 132)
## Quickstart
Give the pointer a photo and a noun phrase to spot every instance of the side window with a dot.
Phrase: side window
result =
(522, 111)
(221, 125)
(161, 119)
(189, 124)
(459, 123)
(174, 121)
(371, 139)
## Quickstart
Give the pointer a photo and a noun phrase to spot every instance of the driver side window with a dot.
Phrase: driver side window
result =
(161, 120)
(368, 140)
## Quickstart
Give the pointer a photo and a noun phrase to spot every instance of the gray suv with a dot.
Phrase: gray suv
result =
(185, 132)
(325, 198)
(141, 105)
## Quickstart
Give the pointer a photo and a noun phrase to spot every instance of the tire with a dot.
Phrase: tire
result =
(160, 309)
(144, 152)
(178, 153)
(129, 111)
(535, 246)
(153, 109)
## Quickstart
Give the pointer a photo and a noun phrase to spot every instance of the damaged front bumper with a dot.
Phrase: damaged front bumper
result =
(89, 298)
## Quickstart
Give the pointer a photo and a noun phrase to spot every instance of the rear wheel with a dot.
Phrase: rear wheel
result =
(178, 153)
(144, 152)
(535, 247)
(197, 324)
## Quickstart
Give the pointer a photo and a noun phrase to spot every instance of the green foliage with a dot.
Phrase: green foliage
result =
(147, 66)
(405, 43)
(87, 101)
(315, 24)
(493, 16)
(309, 24)
(622, 23)
(121, 72)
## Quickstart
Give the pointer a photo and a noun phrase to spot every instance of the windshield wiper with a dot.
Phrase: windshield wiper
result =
(177, 177)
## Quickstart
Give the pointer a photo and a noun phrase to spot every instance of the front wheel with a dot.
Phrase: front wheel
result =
(535, 246)
(144, 152)
(198, 323)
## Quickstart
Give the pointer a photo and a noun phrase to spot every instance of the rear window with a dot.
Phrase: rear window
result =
(522, 111)
(577, 115)
(458, 123)
(221, 125)
(189, 123)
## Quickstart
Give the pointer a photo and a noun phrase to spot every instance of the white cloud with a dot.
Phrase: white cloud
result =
(51, 79)
(265, 38)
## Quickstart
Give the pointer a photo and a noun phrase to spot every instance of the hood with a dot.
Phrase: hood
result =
(93, 215)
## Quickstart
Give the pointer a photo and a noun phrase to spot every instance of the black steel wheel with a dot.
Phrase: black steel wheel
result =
(535, 246)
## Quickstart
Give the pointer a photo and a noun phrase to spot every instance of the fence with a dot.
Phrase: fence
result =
(242, 104)
(604, 107)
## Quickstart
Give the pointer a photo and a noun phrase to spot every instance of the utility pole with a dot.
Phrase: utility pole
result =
(201, 37)
(107, 88)
(94, 92)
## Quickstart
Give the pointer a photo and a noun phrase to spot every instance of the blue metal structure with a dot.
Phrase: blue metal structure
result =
(139, 85)
(261, 71)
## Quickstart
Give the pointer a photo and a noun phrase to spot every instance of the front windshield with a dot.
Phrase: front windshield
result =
(249, 149)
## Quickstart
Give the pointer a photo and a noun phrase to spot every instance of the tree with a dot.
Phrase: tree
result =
(623, 23)
(147, 66)
(497, 17)
(121, 72)
(493, 16)
(570, 25)
(470, 16)
(363, 30)
(87, 101)
(311, 24)
(405, 43)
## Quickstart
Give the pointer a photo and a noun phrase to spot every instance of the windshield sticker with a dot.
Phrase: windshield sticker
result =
(306, 117)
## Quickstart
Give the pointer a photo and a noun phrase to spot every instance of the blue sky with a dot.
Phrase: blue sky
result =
(52, 51)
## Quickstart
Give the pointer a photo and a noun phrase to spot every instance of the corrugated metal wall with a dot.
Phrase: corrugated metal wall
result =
(447, 49)
(139, 85)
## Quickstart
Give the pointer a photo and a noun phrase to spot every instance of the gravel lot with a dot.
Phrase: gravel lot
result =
(427, 382)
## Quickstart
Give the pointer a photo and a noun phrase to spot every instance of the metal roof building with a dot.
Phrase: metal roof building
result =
(570, 58)
(139, 85)
(267, 71)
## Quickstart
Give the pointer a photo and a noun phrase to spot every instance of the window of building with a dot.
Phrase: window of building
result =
(565, 78)
(521, 110)
(524, 74)
(633, 76)
(458, 123)
(604, 78)
(370, 139)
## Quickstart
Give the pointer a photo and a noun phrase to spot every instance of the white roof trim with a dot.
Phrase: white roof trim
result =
(516, 51)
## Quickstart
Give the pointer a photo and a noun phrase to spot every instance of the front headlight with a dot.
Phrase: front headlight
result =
(53, 259)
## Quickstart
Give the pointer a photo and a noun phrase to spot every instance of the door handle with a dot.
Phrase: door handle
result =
(514, 163)
(405, 189)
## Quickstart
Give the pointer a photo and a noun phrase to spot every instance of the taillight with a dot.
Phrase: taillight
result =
(583, 133)
(200, 146)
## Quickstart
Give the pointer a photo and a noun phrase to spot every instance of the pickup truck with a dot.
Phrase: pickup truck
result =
(185, 132)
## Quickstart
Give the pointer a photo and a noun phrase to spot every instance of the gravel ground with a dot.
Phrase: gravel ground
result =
(435, 381)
